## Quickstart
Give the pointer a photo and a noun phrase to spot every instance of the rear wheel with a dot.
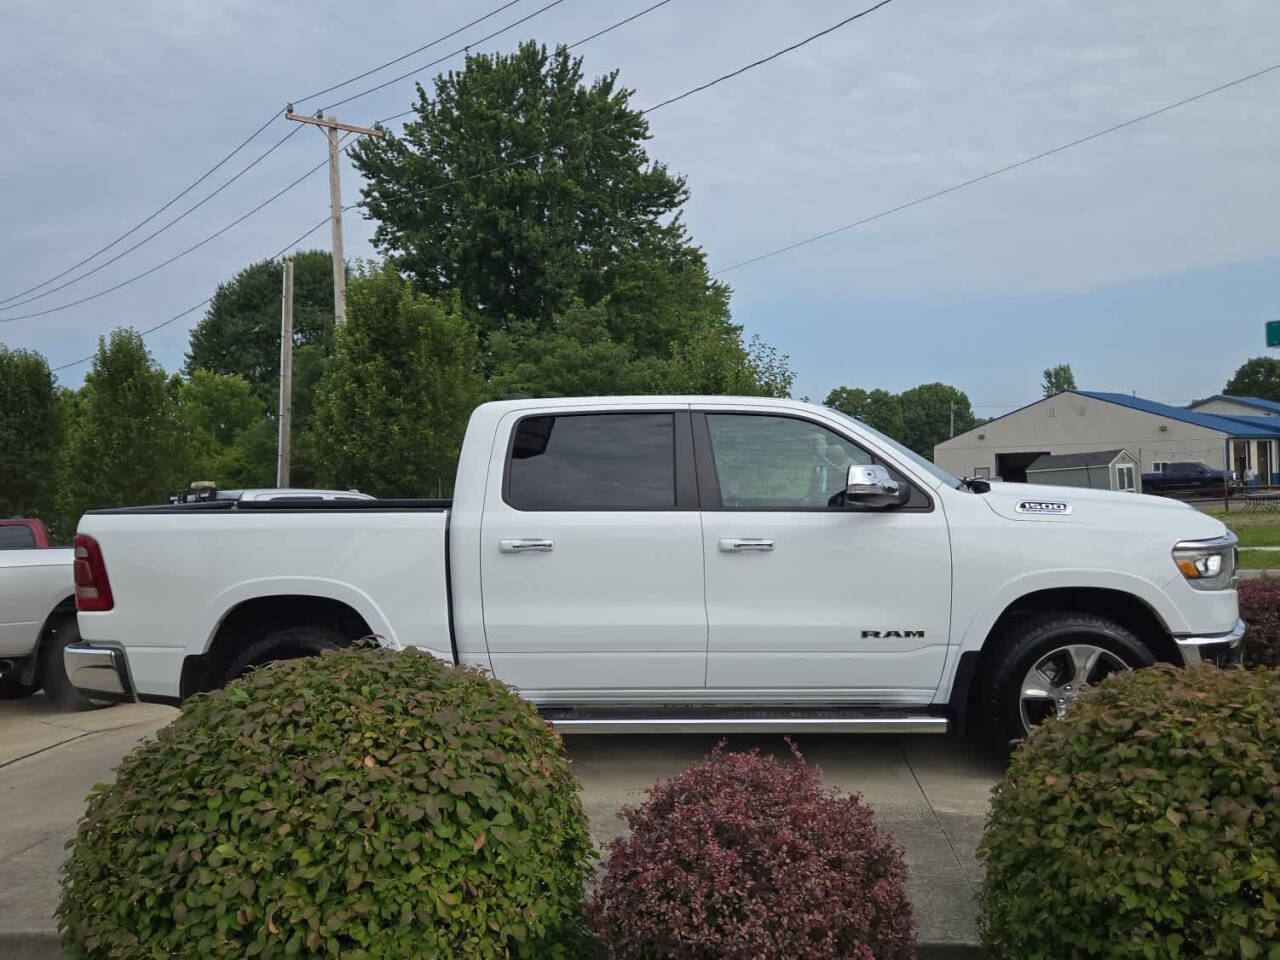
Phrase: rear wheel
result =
(53, 673)
(287, 644)
(1049, 660)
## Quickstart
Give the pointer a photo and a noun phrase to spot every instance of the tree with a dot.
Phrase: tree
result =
(125, 446)
(1057, 379)
(220, 417)
(239, 334)
(394, 402)
(876, 408)
(927, 412)
(1257, 377)
(30, 431)
(523, 189)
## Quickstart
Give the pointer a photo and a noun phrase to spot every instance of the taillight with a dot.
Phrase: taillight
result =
(93, 589)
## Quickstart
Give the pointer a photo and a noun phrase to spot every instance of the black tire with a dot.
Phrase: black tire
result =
(287, 644)
(52, 673)
(1031, 640)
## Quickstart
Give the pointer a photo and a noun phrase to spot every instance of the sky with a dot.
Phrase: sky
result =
(1147, 259)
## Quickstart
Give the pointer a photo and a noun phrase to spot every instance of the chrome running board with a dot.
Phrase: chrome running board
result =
(786, 720)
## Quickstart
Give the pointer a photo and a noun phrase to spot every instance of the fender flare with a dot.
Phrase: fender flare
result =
(221, 606)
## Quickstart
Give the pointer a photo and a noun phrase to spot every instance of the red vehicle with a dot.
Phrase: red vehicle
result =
(23, 534)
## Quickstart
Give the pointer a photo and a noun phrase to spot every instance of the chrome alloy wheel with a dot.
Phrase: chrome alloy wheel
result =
(1058, 678)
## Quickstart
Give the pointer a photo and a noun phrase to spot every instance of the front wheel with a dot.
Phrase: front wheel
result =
(1049, 660)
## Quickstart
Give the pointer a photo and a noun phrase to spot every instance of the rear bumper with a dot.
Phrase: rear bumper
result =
(1224, 649)
(101, 673)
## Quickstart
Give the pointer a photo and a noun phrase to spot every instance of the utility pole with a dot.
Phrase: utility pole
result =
(331, 127)
(953, 418)
(283, 452)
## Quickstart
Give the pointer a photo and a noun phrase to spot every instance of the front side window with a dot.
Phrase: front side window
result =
(771, 463)
(607, 461)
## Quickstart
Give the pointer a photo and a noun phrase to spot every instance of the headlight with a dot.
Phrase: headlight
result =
(1208, 564)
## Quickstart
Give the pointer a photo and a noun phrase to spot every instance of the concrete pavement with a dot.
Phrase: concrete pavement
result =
(930, 792)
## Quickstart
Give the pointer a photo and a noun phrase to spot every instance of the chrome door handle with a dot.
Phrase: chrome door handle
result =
(741, 544)
(526, 546)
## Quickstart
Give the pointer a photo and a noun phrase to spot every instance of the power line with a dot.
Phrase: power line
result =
(155, 233)
(205, 302)
(204, 176)
(997, 172)
(427, 66)
(773, 56)
(177, 256)
(271, 199)
(426, 46)
(142, 223)
(657, 106)
(620, 23)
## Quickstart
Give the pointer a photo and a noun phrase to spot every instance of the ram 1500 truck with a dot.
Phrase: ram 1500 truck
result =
(677, 563)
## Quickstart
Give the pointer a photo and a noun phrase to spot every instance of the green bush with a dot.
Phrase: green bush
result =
(364, 804)
(1145, 824)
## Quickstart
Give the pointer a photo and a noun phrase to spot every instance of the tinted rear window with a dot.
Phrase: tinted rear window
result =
(16, 537)
(614, 461)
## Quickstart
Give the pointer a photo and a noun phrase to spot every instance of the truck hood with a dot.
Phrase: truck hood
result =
(1037, 503)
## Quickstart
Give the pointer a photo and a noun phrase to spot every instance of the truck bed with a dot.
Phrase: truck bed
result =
(179, 571)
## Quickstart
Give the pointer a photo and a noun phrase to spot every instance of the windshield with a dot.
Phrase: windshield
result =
(906, 452)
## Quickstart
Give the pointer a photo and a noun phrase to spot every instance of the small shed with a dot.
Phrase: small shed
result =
(1099, 470)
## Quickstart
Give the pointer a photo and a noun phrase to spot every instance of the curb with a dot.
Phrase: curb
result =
(45, 945)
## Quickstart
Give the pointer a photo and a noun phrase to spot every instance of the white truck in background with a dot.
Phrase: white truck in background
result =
(677, 563)
(37, 614)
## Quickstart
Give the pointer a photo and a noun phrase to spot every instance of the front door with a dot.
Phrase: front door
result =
(591, 555)
(807, 599)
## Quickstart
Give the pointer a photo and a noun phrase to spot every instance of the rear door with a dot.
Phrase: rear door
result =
(591, 553)
(806, 598)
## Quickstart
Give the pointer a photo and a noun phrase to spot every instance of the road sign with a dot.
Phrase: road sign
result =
(1273, 333)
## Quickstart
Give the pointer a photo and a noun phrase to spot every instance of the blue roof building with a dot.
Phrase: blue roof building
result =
(1225, 433)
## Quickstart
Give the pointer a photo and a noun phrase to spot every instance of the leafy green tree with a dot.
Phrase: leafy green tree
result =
(30, 432)
(578, 357)
(391, 410)
(239, 334)
(927, 415)
(125, 446)
(876, 408)
(1257, 377)
(716, 361)
(220, 417)
(1057, 379)
(522, 188)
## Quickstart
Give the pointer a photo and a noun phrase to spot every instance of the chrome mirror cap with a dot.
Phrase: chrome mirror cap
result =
(872, 486)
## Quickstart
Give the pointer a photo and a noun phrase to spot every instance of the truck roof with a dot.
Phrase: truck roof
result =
(661, 400)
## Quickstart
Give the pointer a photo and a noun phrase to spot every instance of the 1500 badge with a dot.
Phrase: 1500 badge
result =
(1051, 507)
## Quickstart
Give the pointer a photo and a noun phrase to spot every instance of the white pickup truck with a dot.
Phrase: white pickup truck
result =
(678, 563)
(37, 614)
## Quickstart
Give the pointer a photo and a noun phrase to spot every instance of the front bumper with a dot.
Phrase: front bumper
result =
(100, 673)
(1224, 650)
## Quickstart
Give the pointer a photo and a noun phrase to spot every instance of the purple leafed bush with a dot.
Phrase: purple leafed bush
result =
(1260, 609)
(746, 856)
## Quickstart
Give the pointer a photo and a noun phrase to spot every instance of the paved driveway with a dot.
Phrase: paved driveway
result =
(931, 792)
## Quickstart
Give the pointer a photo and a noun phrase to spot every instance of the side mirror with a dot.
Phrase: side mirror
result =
(872, 486)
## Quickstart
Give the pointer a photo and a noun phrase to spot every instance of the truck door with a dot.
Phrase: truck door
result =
(807, 599)
(591, 553)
